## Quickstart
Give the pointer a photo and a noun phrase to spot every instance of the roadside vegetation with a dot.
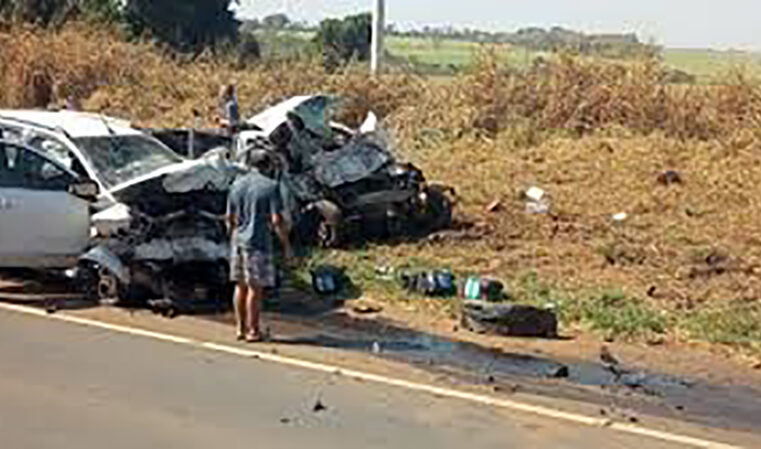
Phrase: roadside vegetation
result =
(596, 135)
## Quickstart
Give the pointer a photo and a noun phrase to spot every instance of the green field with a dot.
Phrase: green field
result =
(450, 53)
(441, 55)
(709, 63)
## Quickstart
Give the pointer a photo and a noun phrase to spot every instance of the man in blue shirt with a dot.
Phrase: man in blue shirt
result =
(255, 217)
(230, 118)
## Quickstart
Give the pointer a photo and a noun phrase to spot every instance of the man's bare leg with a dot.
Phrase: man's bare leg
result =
(240, 304)
(254, 306)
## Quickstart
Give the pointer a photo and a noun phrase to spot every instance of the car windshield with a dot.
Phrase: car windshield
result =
(119, 159)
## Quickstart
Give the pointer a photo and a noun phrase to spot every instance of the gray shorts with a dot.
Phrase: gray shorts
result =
(253, 267)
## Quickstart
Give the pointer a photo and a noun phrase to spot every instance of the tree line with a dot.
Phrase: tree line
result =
(191, 26)
(180, 24)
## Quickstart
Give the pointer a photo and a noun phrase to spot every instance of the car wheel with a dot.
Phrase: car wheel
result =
(111, 291)
(329, 220)
(327, 235)
(108, 287)
(438, 212)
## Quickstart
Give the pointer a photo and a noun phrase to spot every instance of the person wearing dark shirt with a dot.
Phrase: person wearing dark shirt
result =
(255, 218)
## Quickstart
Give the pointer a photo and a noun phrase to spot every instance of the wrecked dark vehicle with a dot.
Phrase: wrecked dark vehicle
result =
(346, 184)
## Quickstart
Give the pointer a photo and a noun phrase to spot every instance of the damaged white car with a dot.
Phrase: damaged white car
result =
(159, 217)
(44, 210)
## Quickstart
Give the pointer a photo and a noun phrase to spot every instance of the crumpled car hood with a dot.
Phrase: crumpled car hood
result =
(194, 185)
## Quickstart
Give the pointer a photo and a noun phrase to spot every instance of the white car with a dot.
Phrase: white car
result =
(106, 150)
(43, 223)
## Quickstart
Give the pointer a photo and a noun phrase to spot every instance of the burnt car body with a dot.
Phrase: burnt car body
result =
(345, 184)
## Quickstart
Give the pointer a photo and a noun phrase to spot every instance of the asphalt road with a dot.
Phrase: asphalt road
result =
(68, 386)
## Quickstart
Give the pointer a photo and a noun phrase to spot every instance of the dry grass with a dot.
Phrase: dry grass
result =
(594, 135)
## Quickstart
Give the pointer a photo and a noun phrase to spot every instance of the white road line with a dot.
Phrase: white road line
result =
(379, 379)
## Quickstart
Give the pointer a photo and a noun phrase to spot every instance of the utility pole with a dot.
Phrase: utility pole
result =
(379, 29)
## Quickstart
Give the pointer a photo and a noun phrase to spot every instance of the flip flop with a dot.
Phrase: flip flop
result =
(254, 338)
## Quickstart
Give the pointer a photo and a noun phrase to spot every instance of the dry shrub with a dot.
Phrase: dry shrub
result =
(578, 96)
(565, 94)
(137, 81)
(78, 60)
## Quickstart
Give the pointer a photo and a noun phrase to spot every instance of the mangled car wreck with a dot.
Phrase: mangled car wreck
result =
(165, 241)
(345, 184)
(158, 227)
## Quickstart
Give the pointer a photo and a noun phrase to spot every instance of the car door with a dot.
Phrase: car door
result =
(41, 224)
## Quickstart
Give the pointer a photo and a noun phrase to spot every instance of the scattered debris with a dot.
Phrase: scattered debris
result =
(328, 279)
(620, 217)
(430, 283)
(366, 308)
(509, 319)
(482, 288)
(535, 194)
(537, 201)
(611, 363)
(669, 177)
(385, 273)
(558, 372)
(607, 358)
(494, 206)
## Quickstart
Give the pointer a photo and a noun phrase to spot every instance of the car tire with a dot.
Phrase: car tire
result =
(439, 210)
(329, 221)
(109, 290)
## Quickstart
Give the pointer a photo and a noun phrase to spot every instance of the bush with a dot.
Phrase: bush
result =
(344, 40)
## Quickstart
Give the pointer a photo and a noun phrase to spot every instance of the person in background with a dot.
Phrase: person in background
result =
(255, 218)
(229, 119)
(72, 103)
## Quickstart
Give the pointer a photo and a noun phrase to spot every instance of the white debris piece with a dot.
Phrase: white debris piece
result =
(620, 217)
(108, 222)
(535, 194)
(537, 201)
(370, 124)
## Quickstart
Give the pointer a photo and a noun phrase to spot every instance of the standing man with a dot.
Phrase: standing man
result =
(228, 102)
(255, 217)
